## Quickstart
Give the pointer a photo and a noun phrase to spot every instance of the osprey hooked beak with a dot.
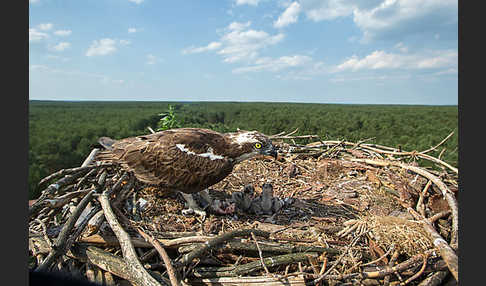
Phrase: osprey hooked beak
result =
(269, 150)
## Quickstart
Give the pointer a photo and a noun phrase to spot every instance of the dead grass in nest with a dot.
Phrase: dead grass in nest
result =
(407, 236)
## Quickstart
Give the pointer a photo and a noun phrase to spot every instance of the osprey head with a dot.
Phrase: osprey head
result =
(250, 144)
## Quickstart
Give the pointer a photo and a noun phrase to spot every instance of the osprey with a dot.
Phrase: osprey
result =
(188, 160)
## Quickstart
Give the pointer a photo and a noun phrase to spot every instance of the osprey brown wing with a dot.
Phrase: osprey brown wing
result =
(174, 158)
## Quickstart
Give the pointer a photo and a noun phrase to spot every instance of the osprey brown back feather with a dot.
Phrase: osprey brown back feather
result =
(157, 159)
(184, 159)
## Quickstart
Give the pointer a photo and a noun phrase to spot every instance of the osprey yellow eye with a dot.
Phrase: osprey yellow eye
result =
(258, 145)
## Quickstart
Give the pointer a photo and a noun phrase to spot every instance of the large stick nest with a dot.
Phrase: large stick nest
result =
(359, 213)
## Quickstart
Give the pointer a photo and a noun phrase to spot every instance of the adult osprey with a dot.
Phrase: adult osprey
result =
(188, 160)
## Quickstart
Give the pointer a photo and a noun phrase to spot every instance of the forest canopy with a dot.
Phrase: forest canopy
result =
(61, 133)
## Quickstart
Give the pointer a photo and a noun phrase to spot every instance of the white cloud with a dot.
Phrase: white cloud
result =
(378, 78)
(377, 59)
(132, 30)
(275, 65)
(383, 60)
(442, 59)
(401, 47)
(307, 69)
(38, 68)
(236, 26)
(118, 81)
(100, 78)
(101, 47)
(385, 18)
(105, 46)
(405, 16)
(124, 42)
(239, 44)
(449, 71)
(60, 47)
(327, 9)
(289, 16)
(64, 72)
(45, 26)
(152, 60)
(62, 33)
(194, 50)
(56, 57)
(247, 2)
(33, 1)
(136, 1)
(36, 36)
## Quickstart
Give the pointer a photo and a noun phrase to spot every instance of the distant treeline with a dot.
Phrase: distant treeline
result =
(61, 134)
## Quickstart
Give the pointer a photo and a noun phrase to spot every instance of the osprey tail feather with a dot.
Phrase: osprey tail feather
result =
(106, 155)
(106, 142)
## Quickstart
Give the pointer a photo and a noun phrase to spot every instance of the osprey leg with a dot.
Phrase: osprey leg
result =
(214, 206)
(192, 206)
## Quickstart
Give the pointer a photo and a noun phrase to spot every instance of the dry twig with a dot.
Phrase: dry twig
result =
(163, 254)
(416, 275)
(61, 244)
(260, 253)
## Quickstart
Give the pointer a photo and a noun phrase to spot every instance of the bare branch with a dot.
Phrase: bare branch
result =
(163, 254)
(218, 240)
(136, 272)
(440, 143)
(61, 244)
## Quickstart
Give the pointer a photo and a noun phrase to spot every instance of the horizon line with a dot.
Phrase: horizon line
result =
(230, 101)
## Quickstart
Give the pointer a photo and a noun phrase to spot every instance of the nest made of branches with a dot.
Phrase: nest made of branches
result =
(359, 213)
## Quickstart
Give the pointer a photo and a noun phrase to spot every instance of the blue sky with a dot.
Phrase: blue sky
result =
(322, 51)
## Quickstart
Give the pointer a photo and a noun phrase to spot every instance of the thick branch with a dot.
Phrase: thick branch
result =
(107, 261)
(113, 241)
(138, 274)
(235, 246)
(207, 272)
(90, 157)
(219, 240)
(248, 281)
(434, 279)
(447, 253)
(62, 200)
